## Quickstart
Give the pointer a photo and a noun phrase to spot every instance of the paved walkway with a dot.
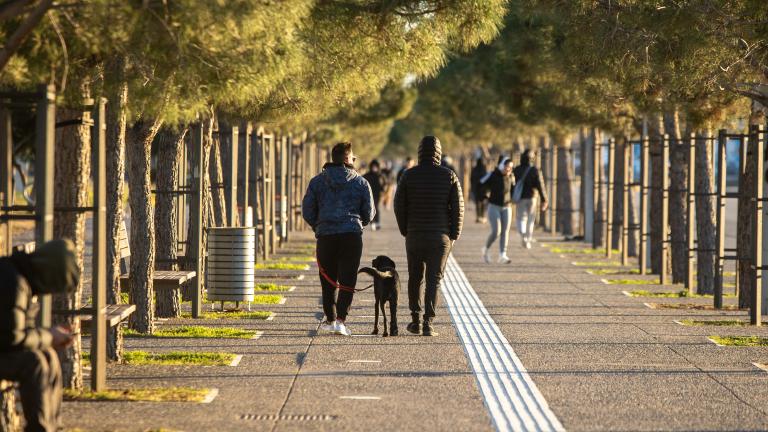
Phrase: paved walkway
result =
(537, 344)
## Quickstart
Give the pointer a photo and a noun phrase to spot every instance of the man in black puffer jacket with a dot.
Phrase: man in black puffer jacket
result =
(429, 208)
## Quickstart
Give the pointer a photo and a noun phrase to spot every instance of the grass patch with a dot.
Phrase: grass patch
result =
(195, 332)
(735, 323)
(171, 394)
(178, 358)
(631, 282)
(678, 294)
(691, 306)
(295, 259)
(267, 299)
(271, 287)
(608, 272)
(281, 266)
(749, 341)
(587, 251)
(596, 264)
(729, 274)
(231, 314)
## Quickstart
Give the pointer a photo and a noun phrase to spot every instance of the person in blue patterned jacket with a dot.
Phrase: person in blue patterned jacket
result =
(337, 205)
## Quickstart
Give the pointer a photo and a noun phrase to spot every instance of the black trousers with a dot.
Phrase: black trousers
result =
(480, 207)
(39, 376)
(427, 254)
(339, 257)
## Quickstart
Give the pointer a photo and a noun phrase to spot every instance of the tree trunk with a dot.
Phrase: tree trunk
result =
(618, 193)
(705, 215)
(72, 171)
(656, 132)
(142, 235)
(565, 202)
(9, 418)
(217, 181)
(207, 200)
(746, 218)
(116, 123)
(678, 184)
(170, 145)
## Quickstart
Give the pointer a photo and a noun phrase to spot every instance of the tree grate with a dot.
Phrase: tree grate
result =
(289, 417)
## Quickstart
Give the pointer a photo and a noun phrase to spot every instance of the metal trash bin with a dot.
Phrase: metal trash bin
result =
(230, 271)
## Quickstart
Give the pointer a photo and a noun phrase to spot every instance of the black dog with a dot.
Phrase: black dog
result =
(386, 286)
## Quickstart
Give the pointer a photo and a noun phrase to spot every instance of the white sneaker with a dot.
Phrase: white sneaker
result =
(486, 258)
(528, 244)
(504, 259)
(341, 329)
(328, 327)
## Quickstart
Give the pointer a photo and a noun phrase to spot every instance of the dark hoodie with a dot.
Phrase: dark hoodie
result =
(533, 182)
(338, 201)
(51, 269)
(428, 197)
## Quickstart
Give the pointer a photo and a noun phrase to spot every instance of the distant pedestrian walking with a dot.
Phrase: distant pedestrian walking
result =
(377, 182)
(476, 191)
(429, 208)
(499, 183)
(337, 205)
(28, 353)
(530, 182)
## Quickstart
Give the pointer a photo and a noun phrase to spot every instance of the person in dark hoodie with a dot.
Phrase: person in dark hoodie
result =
(478, 194)
(499, 182)
(337, 205)
(377, 182)
(429, 208)
(27, 352)
(532, 183)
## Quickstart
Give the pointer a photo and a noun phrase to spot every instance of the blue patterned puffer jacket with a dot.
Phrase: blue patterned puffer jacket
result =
(338, 200)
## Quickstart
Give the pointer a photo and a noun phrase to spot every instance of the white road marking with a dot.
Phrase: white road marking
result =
(258, 335)
(210, 396)
(236, 360)
(511, 396)
(715, 342)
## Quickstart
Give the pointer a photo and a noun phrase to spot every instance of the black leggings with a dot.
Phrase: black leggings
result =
(339, 257)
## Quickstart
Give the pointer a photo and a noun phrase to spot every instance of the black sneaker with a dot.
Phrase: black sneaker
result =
(427, 329)
(414, 327)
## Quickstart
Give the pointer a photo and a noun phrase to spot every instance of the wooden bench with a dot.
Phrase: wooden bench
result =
(164, 279)
(115, 313)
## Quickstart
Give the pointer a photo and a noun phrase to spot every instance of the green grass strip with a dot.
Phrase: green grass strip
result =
(690, 306)
(281, 266)
(267, 299)
(178, 358)
(609, 272)
(231, 314)
(735, 323)
(195, 332)
(748, 341)
(271, 287)
(171, 394)
(630, 282)
(295, 259)
(678, 294)
(596, 264)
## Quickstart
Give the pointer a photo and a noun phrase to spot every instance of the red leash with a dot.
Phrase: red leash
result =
(336, 284)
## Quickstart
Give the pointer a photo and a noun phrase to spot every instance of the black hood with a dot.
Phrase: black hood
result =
(430, 150)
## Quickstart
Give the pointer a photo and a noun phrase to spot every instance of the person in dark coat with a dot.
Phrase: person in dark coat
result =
(377, 182)
(408, 164)
(28, 352)
(337, 205)
(533, 191)
(429, 208)
(499, 183)
(478, 196)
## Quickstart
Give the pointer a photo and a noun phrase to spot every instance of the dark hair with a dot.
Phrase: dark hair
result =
(528, 157)
(340, 151)
(375, 163)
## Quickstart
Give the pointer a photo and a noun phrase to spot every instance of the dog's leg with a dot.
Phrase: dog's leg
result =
(384, 315)
(393, 317)
(376, 317)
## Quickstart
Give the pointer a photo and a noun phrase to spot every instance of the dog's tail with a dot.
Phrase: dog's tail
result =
(375, 273)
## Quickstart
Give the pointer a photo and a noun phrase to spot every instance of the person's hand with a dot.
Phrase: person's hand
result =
(62, 336)
(544, 206)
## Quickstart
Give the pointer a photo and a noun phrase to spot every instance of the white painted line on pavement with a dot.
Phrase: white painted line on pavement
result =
(761, 366)
(210, 396)
(258, 335)
(236, 360)
(511, 396)
(271, 317)
(360, 397)
(715, 342)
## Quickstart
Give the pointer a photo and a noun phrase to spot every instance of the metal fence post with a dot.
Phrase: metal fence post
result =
(609, 199)
(757, 138)
(99, 279)
(195, 247)
(644, 193)
(44, 174)
(6, 176)
(626, 190)
(232, 186)
(690, 280)
(665, 210)
(553, 188)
